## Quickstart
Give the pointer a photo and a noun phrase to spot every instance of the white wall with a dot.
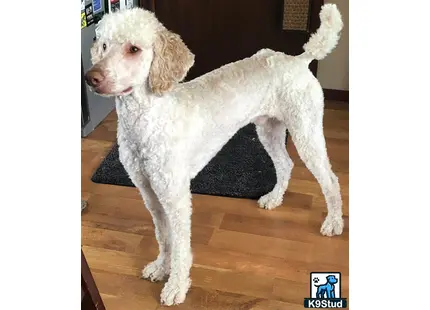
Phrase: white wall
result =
(333, 71)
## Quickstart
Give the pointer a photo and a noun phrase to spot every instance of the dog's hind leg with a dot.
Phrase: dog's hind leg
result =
(272, 134)
(308, 137)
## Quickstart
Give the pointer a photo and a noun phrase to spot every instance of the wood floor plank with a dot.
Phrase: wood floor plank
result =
(290, 291)
(206, 299)
(294, 206)
(134, 207)
(338, 131)
(125, 292)
(128, 225)
(255, 244)
(233, 282)
(93, 145)
(287, 249)
(120, 207)
(303, 173)
(337, 150)
(113, 261)
(310, 188)
(291, 198)
(210, 257)
(88, 157)
(110, 239)
(106, 131)
(206, 217)
(130, 215)
(108, 190)
(277, 228)
(276, 305)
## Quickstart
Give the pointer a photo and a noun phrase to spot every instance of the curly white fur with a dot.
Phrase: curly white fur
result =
(166, 137)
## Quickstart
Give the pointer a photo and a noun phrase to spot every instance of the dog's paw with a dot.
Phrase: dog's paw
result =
(174, 291)
(270, 201)
(154, 271)
(332, 226)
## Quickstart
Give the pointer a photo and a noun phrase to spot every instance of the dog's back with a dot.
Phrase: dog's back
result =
(250, 76)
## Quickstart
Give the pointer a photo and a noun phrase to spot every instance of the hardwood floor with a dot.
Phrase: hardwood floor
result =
(244, 257)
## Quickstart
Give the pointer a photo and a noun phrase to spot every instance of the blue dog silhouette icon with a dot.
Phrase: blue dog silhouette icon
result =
(327, 290)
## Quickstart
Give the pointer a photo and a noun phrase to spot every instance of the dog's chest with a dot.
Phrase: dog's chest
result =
(133, 152)
(141, 145)
(134, 141)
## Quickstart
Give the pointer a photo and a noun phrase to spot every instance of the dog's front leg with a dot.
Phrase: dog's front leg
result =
(177, 204)
(158, 269)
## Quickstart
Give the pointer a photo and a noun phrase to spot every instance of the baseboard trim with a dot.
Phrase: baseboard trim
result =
(336, 94)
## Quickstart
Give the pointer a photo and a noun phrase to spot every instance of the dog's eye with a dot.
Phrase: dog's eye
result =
(134, 49)
(104, 46)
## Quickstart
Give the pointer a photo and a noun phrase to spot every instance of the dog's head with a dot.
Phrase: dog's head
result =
(331, 279)
(132, 48)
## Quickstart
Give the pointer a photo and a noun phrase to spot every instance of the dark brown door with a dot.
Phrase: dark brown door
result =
(221, 31)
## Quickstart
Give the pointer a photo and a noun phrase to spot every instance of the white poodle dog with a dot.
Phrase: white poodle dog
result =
(168, 131)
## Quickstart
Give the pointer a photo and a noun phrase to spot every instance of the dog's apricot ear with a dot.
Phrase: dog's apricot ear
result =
(171, 62)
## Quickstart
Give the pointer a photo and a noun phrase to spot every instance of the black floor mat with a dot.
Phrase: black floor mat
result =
(242, 169)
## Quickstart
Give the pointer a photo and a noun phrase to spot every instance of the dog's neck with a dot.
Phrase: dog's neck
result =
(131, 106)
(141, 105)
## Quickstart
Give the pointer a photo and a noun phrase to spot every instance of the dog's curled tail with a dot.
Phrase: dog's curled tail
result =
(325, 39)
